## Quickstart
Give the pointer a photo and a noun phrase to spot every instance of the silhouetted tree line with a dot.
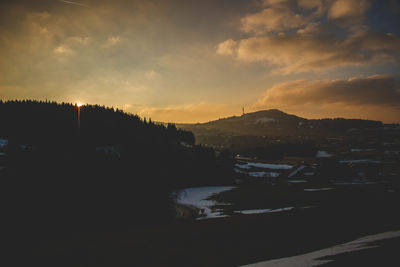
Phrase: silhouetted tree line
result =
(59, 173)
(40, 123)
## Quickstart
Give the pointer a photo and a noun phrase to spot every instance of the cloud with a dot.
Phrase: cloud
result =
(113, 40)
(374, 97)
(63, 50)
(309, 4)
(227, 47)
(106, 53)
(368, 91)
(278, 17)
(197, 112)
(274, 2)
(303, 52)
(324, 35)
(73, 3)
(311, 29)
(80, 40)
(349, 9)
(283, 15)
(151, 74)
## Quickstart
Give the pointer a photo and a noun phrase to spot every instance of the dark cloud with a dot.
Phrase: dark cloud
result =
(304, 52)
(377, 90)
(333, 34)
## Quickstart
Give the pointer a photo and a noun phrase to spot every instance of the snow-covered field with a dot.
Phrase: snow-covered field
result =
(198, 197)
(3, 143)
(361, 149)
(392, 153)
(318, 189)
(296, 170)
(249, 165)
(260, 211)
(359, 161)
(264, 174)
(314, 258)
(323, 154)
(297, 181)
(354, 182)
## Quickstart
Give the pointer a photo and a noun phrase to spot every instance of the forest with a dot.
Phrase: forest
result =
(99, 168)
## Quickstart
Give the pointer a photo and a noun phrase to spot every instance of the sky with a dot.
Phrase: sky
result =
(195, 61)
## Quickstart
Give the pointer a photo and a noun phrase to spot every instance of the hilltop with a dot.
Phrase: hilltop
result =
(274, 122)
(275, 134)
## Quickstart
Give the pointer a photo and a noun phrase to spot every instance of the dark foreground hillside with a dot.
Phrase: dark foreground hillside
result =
(111, 172)
(104, 193)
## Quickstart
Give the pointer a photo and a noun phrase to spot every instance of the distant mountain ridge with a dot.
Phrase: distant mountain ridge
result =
(274, 122)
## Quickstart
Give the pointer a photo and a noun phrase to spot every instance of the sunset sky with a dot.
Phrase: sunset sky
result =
(199, 60)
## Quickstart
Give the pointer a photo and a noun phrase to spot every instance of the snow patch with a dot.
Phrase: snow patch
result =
(297, 170)
(361, 149)
(318, 189)
(314, 258)
(323, 154)
(297, 181)
(239, 171)
(3, 143)
(354, 182)
(264, 174)
(249, 165)
(392, 153)
(259, 211)
(359, 161)
(198, 197)
(213, 215)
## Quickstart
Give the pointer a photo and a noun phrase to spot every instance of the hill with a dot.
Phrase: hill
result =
(273, 134)
(275, 123)
(114, 169)
(36, 123)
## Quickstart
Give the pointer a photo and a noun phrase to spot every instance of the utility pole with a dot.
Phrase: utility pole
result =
(243, 110)
(79, 118)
